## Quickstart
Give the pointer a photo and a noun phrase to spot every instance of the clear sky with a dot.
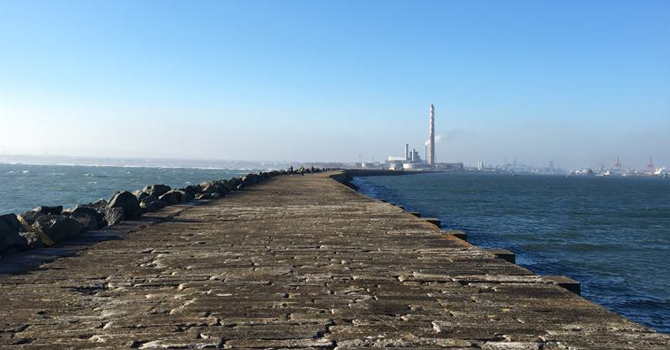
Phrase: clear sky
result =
(576, 82)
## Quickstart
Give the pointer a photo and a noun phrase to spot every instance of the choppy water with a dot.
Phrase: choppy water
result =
(23, 187)
(610, 234)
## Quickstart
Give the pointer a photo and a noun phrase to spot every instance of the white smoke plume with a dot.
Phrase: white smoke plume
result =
(438, 139)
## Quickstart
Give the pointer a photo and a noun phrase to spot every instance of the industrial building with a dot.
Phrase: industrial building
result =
(412, 160)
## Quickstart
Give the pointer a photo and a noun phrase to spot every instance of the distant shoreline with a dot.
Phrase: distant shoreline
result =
(166, 163)
(125, 166)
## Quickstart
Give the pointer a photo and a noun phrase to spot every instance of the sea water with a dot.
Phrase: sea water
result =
(610, 234)
(23, 187)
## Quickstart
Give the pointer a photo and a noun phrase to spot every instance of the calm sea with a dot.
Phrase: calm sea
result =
(23, 187)
(610, 234)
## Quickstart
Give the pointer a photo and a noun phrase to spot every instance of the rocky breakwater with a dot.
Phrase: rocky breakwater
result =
(49, 225)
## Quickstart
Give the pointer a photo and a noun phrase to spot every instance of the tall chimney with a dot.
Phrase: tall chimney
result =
(431, 158)
(407, 152)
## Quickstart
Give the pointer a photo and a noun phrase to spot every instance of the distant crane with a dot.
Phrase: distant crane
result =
(617, 164)
(650, 167)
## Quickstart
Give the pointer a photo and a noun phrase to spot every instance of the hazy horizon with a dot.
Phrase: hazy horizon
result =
(576, 83)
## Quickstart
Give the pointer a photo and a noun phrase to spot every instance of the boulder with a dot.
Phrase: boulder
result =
(215, 187)
(154, 206)
(171, 197)
(45, 225)
(156, 190)
(149, 198)
(128, 202)
(209, 189)
(193, 189)
(98, 215)
(98, 205)
(32, 239)
(87, 222)
(140, 194)
(250, 179)
(186, 196)
(113, 216)
(227, 185)
(209, 195)
(234, 183)
(58, 228)
(54, 210)
(10, 234)
(29, 218)
(11, 221)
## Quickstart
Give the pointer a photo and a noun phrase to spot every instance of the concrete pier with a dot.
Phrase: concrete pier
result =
(298, 262)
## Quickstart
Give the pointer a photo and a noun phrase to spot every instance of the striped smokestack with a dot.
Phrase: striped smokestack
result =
(431, 158)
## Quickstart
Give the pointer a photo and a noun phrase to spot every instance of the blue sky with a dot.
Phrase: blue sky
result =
(576, 82)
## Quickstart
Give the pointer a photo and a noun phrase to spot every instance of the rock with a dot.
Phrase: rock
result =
(127, 201)
(98, 205)
(193, 189)
(156, 190)
(154, 206)
(98, 215)
(149, 198)
(11, 221)
(235, 183)
(150, 203)
(57, 228)
(250, 179)
(210, 188)
(186, 196)
(114, 215)
(140, 194)
(10, 234)
(209, 195)
(171, 197)
(87, 222)
(29, 218)
(228, 185)
(215, 188)
(32, 238)
(55, 210)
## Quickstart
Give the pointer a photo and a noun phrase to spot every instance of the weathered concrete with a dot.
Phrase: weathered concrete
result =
(296, 262)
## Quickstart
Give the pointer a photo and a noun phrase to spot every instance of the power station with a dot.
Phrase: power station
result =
(412, 160)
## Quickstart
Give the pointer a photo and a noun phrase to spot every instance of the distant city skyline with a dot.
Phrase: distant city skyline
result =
(577, 83)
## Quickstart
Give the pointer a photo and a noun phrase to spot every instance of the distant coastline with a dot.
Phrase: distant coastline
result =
(167, 163)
